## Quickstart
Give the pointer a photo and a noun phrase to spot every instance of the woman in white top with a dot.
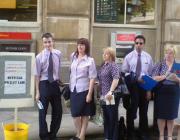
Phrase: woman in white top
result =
(82, 77)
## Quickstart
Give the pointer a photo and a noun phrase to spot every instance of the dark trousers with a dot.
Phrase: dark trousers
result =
(110, 116)
(137, 99)
(50, 93)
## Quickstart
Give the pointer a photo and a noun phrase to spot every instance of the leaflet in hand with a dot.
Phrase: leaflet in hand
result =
(170, 77)
(111, 102)
(39, 104)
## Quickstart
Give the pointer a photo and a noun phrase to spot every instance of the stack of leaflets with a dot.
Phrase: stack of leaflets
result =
(170, 76)
(111, 102)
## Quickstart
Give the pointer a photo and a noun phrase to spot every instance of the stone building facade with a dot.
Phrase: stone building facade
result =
(69, 20)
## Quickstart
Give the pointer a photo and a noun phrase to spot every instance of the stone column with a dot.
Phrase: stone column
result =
(67, 20)
(172, 25)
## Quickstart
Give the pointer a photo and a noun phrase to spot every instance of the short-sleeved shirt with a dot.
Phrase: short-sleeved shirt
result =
(81, 72)
(107, 73)
(162, 69)
(42, 63)
(130, 63)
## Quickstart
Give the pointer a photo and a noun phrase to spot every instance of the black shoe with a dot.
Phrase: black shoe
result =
(131, 138)
(75, 138)
(144, 137)
(52, 136)
(47, 138)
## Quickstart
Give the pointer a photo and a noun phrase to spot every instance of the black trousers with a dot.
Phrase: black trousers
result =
(136, 99)
(50, 93)
(110, 116)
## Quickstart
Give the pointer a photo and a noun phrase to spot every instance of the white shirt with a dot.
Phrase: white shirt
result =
(42, 64)
(130, 62)
(81, 72)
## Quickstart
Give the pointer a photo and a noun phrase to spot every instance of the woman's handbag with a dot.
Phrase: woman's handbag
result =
(66, 92)
(121, 89)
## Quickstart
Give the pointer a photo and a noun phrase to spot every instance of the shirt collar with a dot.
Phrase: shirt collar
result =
(107, 63)
(85, 57)
(47, 52)
(142, 52)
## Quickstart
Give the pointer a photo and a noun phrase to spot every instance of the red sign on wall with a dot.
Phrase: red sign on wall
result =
(125, 37)
(15, 36)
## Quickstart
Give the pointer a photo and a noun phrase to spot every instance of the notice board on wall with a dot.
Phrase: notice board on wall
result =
(105, 11)
(17, 79)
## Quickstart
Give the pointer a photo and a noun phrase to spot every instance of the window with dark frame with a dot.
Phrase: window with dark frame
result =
(141, 12)
(18, 10)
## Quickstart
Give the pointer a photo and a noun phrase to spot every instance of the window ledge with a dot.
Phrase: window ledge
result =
(19, 24)
(123, 25)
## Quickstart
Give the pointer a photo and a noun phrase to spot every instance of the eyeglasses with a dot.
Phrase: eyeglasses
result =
(140, 43)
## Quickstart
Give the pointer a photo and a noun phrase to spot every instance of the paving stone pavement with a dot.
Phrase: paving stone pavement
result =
(67, 130)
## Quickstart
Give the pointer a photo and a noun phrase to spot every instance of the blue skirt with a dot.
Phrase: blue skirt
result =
(79, 106)
(167, 102)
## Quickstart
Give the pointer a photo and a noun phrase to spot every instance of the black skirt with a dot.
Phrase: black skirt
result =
(167, 102)
(79, 106)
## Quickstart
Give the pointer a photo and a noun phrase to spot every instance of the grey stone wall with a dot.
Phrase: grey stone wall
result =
(67, 20)
(69, 7)
(172, 25)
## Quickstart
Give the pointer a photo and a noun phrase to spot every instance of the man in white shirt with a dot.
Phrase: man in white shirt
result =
(47, 75)
(139, 63)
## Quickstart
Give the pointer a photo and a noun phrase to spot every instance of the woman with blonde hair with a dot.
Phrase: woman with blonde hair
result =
(167, 95)
(108, 76)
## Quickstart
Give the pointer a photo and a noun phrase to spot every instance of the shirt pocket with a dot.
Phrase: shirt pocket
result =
(44, 63)
(146, 62)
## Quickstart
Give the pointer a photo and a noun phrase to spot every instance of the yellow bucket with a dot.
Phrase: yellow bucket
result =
(20, 134)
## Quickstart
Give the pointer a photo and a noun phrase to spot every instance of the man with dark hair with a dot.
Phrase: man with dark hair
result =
(136, 64)
(140, 37)
(47, 35)
(47, 68)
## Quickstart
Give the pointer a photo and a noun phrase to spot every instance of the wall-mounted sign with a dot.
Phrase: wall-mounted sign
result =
(17, 80)
(105, 10)
(15, 47)
(15, 35)
(125, 37)
(123, 43)
(15, 77)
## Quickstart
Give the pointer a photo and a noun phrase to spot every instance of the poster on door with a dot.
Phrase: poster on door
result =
(15, 77)
(17, 87)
